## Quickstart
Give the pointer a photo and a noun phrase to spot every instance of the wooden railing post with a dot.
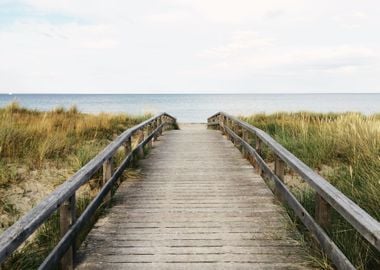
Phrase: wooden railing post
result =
(224, 120)
(239, 132)
(258, 150)
(127, 150)
(211, 123)
(140, 150)
(156, 125)
(167, 121)
(128, 146)
(150, 129)
(220, 121)
(107, 174)
(159, 122)
(233, 128)
(67, 218)
(228, 123)
(279, 170)
(164, 122)
(322, 212)
(245, 135)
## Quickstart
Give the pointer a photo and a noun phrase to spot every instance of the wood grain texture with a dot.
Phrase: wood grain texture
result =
(67, 215)
(198, 205)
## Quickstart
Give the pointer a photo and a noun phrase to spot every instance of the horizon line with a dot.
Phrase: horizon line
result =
(177, 93)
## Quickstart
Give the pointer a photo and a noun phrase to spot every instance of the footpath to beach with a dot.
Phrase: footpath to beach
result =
(199, 205)
(206, 199)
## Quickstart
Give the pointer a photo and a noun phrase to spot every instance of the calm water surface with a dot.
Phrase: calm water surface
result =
(196, 108)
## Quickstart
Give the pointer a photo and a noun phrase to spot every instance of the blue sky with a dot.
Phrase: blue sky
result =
(192, 46)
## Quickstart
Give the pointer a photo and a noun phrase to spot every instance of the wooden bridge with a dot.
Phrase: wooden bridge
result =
(199, 204)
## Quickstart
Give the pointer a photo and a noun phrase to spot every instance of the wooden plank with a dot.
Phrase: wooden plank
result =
(193, 206)
(192, 265)
(209, 258)
(164, 250)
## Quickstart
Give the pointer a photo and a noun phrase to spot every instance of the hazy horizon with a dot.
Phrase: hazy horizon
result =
(183, 93)
(197, 107)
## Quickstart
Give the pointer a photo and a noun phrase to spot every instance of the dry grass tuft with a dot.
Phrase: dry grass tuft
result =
(35, 146)
(344, 148)
(40, 150)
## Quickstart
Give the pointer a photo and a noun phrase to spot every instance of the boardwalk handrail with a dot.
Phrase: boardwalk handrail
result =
(327, 194)
(63, 197)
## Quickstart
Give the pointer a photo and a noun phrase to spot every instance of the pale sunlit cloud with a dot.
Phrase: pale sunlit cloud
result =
(189, 45)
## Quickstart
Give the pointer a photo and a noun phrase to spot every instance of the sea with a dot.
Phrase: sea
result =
(196, 108)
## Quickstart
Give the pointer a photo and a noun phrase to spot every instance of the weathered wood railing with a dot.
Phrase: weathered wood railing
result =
(63, 198)
(327, 196)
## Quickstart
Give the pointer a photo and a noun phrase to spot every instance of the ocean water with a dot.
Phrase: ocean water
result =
(198, 107)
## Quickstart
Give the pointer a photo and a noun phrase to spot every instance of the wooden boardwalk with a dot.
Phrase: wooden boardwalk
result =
(198, 205)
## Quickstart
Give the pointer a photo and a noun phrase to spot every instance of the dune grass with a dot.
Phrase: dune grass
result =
(34, 137)
(40, 150)
(345, 149)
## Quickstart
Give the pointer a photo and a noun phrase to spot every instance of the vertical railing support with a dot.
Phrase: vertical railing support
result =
(107, 174)
(234, 129)
(127, 150)
(159, 122)
(279, 170)
(164, 122)
(156, 125)
(220, 121)
(239, 132)
(322, 212)
(224, 120)
(258, 150)
(245, 137)
(230, 125)
(150, 128)
(128, 146)
(67, 217)
(227, 121)
(140, 150)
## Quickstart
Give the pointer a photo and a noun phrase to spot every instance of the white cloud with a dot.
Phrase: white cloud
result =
(169, 17)
(339, 58)
(166, 45)
(240, 43)
(240, 11)
(351, 20)
(69, 35)
(248, 53)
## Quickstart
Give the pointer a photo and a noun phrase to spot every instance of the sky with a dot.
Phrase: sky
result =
(189, 46)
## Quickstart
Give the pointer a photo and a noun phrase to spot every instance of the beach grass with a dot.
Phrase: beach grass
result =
(40, 150)
(345, 149)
